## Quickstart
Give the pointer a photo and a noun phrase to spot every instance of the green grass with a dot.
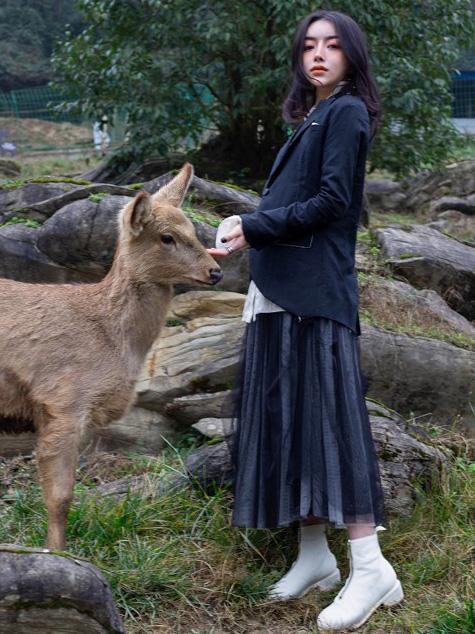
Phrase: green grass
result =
(176, 562)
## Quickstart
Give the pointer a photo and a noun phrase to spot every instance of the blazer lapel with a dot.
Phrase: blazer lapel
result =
(285, 150)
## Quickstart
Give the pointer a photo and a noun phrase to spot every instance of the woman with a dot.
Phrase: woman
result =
(303, 447)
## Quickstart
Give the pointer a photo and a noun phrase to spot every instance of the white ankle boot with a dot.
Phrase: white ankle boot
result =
(372, 582)
(315, 566)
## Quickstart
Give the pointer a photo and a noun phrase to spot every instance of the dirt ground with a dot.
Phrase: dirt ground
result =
(37, 133)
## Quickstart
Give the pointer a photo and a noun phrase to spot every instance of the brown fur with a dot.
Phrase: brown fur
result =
(70, 354)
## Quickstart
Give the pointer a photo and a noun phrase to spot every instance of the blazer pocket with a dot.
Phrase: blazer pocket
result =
(312, 134)
(299, 243)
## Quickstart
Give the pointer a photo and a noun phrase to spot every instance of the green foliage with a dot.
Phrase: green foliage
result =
(18, 220)
(15, 184)
(28, 30)
(183, 67)
(96, 198)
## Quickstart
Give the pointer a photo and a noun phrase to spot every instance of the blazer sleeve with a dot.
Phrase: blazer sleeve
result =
(347, 128)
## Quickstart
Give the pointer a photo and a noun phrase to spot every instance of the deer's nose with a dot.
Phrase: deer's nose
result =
(215, 275)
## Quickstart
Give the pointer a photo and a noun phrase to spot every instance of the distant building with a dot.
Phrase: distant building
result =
(463, 90)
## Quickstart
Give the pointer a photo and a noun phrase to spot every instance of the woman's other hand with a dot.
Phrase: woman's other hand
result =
(232, 241)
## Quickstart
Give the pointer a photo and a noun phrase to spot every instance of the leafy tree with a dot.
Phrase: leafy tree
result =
(28, 30)
(183, 67)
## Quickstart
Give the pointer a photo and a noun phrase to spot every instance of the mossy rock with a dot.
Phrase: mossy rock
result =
(9, 168)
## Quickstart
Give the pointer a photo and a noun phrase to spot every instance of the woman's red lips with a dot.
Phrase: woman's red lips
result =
(318, 69)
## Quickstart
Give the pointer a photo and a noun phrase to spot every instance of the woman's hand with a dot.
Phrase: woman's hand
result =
(232, 241)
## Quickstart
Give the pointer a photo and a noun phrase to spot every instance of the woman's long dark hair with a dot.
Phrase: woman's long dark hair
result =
(353, 43)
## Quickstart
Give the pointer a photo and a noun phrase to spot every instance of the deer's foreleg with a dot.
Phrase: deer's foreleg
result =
(58, 448)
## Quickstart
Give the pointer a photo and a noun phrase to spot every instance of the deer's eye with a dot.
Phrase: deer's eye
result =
(167, 238)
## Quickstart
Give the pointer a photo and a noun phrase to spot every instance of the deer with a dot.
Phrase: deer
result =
(70, 354)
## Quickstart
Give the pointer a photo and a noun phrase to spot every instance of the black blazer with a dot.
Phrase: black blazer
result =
(303, 233)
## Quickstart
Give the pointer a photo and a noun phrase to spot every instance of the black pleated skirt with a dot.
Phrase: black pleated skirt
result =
(302, 444)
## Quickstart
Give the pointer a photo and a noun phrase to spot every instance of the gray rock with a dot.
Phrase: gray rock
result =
(141, 430)
(9, 168)
(192, 407)
(44, 592)
(19, 197)
(456, 224)
(465, 205)
(201, 356)
(385, 195)
(406, 454)
(457, 179)
(21, 260)
(429, 259)
(214, 427)
(82, 235)
(419, 376)
(418, 305)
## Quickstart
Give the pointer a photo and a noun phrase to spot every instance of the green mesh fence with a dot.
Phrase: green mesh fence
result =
(42, 103)
(35, 103)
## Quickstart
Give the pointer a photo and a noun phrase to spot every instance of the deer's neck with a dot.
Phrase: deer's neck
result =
(136, 310)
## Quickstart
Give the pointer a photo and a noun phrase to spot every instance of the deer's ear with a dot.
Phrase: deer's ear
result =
(137, 213)
(174, 192)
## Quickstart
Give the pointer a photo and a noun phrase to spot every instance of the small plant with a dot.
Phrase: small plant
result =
(96, 198)
(173, 323)
(18, 220)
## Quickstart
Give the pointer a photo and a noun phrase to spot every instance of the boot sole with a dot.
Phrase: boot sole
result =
(392, 597)
(327, 583)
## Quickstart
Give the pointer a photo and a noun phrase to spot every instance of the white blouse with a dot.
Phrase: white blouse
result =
(256, 302)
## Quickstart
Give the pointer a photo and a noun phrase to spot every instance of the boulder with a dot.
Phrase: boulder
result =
(190, 408)
(457, 179)
(456, 224)
(82, 235)
(140, 430)
(9, 168)
(148, 485)
(41, 591)
(430, 259)
(465, 205)
(420, 376)
(21, 260)
(200, 356)
(400, 302)
(214, 427)
(31, 193)
(385, 195)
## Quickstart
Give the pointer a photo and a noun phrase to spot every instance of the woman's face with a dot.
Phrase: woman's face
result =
(323, 60)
